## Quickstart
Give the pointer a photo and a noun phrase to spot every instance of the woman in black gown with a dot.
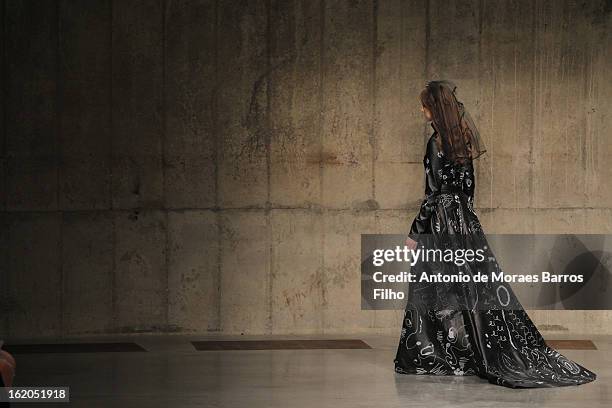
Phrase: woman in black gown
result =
(467, 328)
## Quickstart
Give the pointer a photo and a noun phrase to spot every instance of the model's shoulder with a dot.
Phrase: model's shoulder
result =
(434, 138)
(433, 142)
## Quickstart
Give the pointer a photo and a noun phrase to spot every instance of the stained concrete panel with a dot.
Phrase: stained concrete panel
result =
(560, 221)
(84, 123)
(137, 103)
(511, 183)
(190, 182)
(599, 112)
(141, 279)
(399, 185)
(190, 105)
(242, 104)
(30, 118)
(193, 271)
(245, 272)
(34, 274)
(85, 182)
(347, 104)
(31, 77)
(297, 271)
(342, 270)
(506, 75)
(506, 119)
(87, 267)
(400, 76)
(31, 183)
(507, 221)
(394, 221)
(137, 181)
(598, 221)
(567, 39)
(453, 39)
(295, 96)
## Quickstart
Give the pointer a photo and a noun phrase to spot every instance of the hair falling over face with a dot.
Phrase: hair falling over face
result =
(459, 138)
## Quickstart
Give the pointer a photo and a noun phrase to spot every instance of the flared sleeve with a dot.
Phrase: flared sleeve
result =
(432, 163)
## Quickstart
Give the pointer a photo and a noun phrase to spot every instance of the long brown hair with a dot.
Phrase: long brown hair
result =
(459, 138)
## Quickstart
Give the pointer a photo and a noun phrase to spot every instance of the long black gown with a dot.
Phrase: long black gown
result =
(470, 330)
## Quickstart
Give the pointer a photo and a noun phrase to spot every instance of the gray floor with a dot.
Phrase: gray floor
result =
(172, 374)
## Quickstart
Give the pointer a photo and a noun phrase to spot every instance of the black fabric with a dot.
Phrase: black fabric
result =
(463, 328)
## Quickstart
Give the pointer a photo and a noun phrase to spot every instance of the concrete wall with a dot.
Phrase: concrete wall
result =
(209, 166)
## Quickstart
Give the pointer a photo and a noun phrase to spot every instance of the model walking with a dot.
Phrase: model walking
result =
(467, 329)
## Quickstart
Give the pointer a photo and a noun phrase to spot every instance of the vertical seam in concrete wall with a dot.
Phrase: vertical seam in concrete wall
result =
(373, 85)
(321, 168)
(536, 94)
(491, 147)
(164, 200)
(481, 8)
(4, 94)
(113, 280)
(113, 294)
(515, 192)
(215, 119)
(532, 97)
(268, 143)
(373, 135)
(60, 256)
(427, 62)
(58, 106)
(588, 129)
(7, 279)
(59, 159)
(480, 24)
(4, 219)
